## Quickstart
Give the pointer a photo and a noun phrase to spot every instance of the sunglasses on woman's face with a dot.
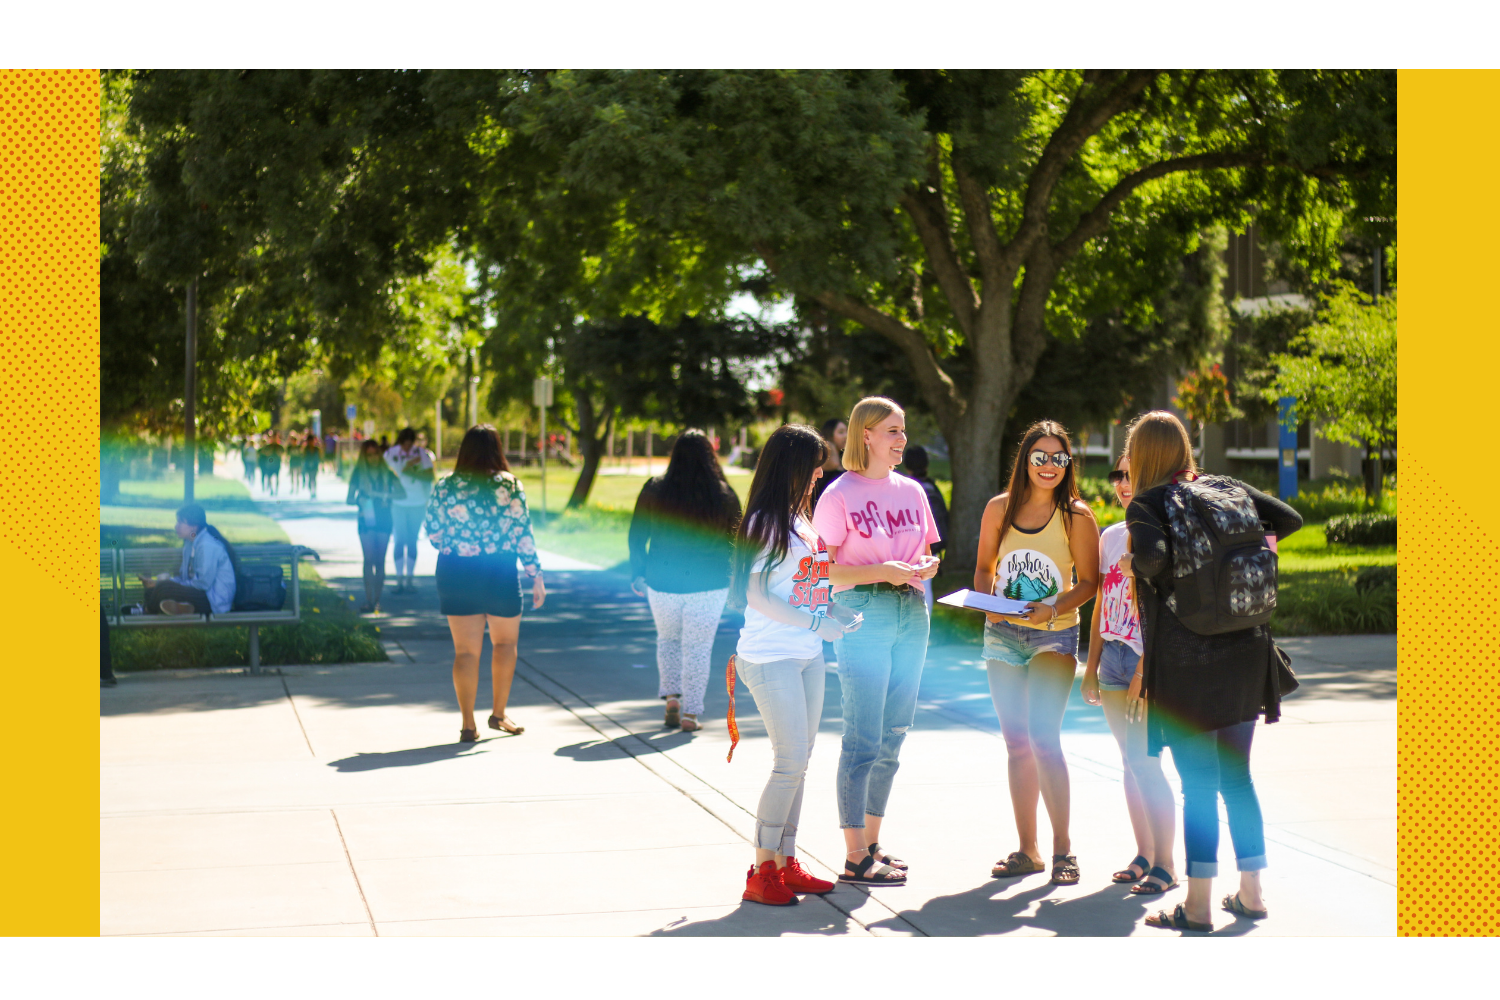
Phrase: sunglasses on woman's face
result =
(1060, 459)
(1117, 476)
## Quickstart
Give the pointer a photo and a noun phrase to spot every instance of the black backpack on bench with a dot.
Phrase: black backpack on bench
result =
(1223, 572)
(259, 588)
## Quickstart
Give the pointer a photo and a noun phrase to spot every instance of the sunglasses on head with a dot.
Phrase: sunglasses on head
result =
(1057, 458)
(1118, 476)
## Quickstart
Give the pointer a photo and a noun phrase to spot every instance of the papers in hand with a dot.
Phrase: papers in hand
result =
(984, 602)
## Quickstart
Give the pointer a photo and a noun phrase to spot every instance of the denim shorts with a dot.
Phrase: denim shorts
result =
(1017, 644)
(1116, 665)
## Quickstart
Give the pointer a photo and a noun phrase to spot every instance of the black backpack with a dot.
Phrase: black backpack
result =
(1223, 572)
(260, 588)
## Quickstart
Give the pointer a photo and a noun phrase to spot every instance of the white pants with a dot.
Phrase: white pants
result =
(789, 695)
(685, 627)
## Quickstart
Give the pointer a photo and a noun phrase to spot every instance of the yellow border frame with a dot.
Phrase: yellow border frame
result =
(1449, 806)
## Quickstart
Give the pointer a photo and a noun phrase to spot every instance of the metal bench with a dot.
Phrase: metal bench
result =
(128, 565)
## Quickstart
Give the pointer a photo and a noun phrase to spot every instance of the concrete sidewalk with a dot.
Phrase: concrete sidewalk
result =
(332, 800)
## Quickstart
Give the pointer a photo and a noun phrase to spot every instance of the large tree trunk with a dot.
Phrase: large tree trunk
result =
(974, 453)
(592, 446)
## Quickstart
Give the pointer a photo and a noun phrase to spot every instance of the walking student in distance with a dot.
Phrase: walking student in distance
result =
(1034, 539)
(836, 432)
(269, 457)
(478, 521)
(915, 463)
(372, 488)
(205, 583)
(312, 458)
(680, 538)
(247, 458)
(1204, 690)
(780, 574)
(1114, 664)
(879, 531)
(413, 466)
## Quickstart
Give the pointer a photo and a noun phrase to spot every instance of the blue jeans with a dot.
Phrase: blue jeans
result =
(789, 696)
(880, 670)
(1212, 764)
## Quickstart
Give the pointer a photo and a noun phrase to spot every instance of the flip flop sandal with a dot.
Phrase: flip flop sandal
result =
(861, 874)
(1017, 863)
(690, 723)
(1176, 920)
(890, 859)
(1233, 905)
(1123, 875)
(1064, 869)
(1151, 888)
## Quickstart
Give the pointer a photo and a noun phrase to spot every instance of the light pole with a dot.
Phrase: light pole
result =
(190, 394)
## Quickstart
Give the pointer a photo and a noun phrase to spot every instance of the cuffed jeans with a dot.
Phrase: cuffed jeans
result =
(1212, 764)
(880, 670)
(789, 695)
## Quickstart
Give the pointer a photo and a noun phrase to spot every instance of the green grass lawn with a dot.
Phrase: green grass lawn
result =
(144, 514)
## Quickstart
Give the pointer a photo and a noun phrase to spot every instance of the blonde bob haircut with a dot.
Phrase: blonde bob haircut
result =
(867, 413)
(1158, 448)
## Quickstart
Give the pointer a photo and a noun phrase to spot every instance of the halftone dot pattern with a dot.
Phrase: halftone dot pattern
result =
(49, 288)
(1448, 746)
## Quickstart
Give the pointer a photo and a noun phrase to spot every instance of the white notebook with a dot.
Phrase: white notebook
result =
(984, 602)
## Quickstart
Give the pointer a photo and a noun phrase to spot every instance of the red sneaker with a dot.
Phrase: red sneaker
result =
(799, 879)
(766, 886)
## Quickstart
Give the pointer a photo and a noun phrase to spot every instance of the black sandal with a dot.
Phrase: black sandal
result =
(468, 736)
(860, 874)
(505, 725)
(1233, 904)
(1064, 869)
(1123, 875)
(1151, 888)
(1176, 920)
(1017, 863)
(894, 862)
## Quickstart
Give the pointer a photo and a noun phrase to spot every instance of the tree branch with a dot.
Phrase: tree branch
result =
(923, 202)
(1083, 120)
(975, 200)
(1096, 220)
(937, 386)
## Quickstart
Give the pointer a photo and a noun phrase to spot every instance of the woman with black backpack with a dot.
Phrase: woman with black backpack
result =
(681, 535)
(1206, 586)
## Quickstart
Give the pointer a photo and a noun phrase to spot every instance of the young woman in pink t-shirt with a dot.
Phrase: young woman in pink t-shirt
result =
(879, 531)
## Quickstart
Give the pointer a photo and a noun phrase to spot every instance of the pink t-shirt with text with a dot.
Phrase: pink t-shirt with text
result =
(874, 520)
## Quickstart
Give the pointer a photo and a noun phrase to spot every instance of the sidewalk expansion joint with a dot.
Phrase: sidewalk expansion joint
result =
(296, 714)
(357, 885)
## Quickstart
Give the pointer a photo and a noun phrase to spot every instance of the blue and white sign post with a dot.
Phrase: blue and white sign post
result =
(1286, 463)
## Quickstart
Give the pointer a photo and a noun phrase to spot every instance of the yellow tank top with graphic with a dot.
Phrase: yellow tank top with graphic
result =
(1037, 565)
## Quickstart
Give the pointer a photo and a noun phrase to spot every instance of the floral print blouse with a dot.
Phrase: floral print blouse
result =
(469, 518)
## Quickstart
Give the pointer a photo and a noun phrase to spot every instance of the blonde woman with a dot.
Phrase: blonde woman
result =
(1034, 539)
(1202, 692)
(879, 531)
(1114, 660)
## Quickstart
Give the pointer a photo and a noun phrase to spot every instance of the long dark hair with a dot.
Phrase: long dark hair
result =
(778, 493)
(196, 516)
(1063, 494)
(480, 455)
(693, 489)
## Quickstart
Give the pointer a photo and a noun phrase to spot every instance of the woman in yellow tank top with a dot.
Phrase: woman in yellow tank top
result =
(1038, 543)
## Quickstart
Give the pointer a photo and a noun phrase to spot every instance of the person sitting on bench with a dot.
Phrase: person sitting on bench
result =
(205, 583)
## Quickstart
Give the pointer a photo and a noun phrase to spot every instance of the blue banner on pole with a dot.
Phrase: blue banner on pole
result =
(350, 411)
(1286, 449)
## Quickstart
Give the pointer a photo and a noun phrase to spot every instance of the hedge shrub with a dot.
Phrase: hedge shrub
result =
(1361, 529)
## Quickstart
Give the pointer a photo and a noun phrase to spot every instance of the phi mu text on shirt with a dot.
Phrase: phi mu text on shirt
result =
(872, 519)
(809, 583)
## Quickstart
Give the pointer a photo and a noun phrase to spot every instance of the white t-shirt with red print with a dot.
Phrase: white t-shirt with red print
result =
(801, 579)
(1118, 617)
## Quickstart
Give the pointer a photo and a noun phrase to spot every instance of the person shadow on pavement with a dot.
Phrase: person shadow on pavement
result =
(406, 758)
(633, 745)
(978, 912)
(811, 916)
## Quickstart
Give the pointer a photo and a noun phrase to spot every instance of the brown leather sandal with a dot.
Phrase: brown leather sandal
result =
(506, 726)
(468, 736)
(1064, 869)
(1017, 863)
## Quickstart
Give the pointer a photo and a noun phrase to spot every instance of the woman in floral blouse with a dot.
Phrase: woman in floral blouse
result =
(478, 521)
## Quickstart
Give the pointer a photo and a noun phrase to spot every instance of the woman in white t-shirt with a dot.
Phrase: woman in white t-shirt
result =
(780, 574)
(1114, 661)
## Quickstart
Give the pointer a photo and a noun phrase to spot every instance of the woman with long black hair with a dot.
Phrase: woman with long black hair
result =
(680, 541)
(1203, 692)
(372, 487)
(478, 521)
(780, 574)
(206, 582)
(1034, 539)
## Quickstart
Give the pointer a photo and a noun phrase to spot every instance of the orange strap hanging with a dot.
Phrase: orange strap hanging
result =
(734, 730)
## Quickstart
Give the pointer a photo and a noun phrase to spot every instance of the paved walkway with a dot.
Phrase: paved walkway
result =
(332, 800)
